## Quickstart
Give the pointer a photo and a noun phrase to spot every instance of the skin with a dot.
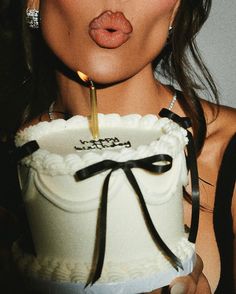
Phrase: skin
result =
(121, 74)
(63, 30)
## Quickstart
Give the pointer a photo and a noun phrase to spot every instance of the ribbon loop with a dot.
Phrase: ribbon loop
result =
(95, 169)
(25, 150)
(184, 122)
(149, 164)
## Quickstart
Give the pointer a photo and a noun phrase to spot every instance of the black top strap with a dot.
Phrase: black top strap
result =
(222, 217)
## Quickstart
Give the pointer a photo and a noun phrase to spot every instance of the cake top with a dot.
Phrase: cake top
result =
(66, 145)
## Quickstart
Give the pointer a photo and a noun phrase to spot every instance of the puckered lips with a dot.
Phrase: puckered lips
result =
(110, 29)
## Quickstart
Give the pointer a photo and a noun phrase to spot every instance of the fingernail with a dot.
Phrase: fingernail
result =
(178, 288)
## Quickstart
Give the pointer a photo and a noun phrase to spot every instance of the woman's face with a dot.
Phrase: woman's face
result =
(109, 40)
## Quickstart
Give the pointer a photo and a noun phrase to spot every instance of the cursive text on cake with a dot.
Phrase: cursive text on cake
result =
(100, 144)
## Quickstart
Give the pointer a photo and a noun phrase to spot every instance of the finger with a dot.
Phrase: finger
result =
(198, 267)
(188, 284)
(183, 286)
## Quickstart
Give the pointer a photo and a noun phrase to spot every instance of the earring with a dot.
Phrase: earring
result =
(169, 34)
(32, 18)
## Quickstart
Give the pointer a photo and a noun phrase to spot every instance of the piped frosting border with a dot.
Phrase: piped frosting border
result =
(172, 140)
(55, 269)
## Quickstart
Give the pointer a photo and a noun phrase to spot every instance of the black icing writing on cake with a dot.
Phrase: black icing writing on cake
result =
(100, 144)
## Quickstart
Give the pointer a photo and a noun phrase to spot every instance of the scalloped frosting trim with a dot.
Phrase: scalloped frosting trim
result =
(173, 139)
(63, 271)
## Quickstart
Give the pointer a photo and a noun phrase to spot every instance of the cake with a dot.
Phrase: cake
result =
(63, 209)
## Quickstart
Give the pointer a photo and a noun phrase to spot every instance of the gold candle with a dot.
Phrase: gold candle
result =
(94, 112)
(93, 104)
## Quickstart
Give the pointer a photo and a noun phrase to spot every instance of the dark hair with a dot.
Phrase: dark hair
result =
(27, 78)
(181, 63)
(29, 84)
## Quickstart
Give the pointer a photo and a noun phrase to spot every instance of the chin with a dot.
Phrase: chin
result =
(104, 72)
(107, 77)
(106, 67)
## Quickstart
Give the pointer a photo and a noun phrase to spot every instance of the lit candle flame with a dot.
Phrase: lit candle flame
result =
(93, 103)
(83, 76)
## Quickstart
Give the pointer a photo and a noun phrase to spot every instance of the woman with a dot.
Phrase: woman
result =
(151, 33)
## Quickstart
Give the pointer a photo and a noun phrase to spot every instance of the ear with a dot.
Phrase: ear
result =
(33, 4)
(175, 9)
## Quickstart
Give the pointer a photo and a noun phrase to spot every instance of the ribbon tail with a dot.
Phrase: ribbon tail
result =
(100, 245)
(176, 262)
(192, 164)
(192, 161)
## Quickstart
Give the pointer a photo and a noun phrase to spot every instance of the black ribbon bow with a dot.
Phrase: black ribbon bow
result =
(191, 157)
(149, 164)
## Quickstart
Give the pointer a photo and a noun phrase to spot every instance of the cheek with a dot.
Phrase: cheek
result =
(152, 21)
(64, 28)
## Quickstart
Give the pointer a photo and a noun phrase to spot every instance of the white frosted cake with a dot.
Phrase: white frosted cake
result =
(63, 210)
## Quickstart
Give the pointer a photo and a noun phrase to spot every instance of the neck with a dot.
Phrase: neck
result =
(141, 94)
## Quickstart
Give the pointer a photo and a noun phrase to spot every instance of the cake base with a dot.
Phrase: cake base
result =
(134, 286)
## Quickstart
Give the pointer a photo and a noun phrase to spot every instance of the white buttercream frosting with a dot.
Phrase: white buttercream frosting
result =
(63, 212)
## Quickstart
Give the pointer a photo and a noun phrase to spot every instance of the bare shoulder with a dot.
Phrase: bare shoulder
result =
(221, 124)
(220, 131)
